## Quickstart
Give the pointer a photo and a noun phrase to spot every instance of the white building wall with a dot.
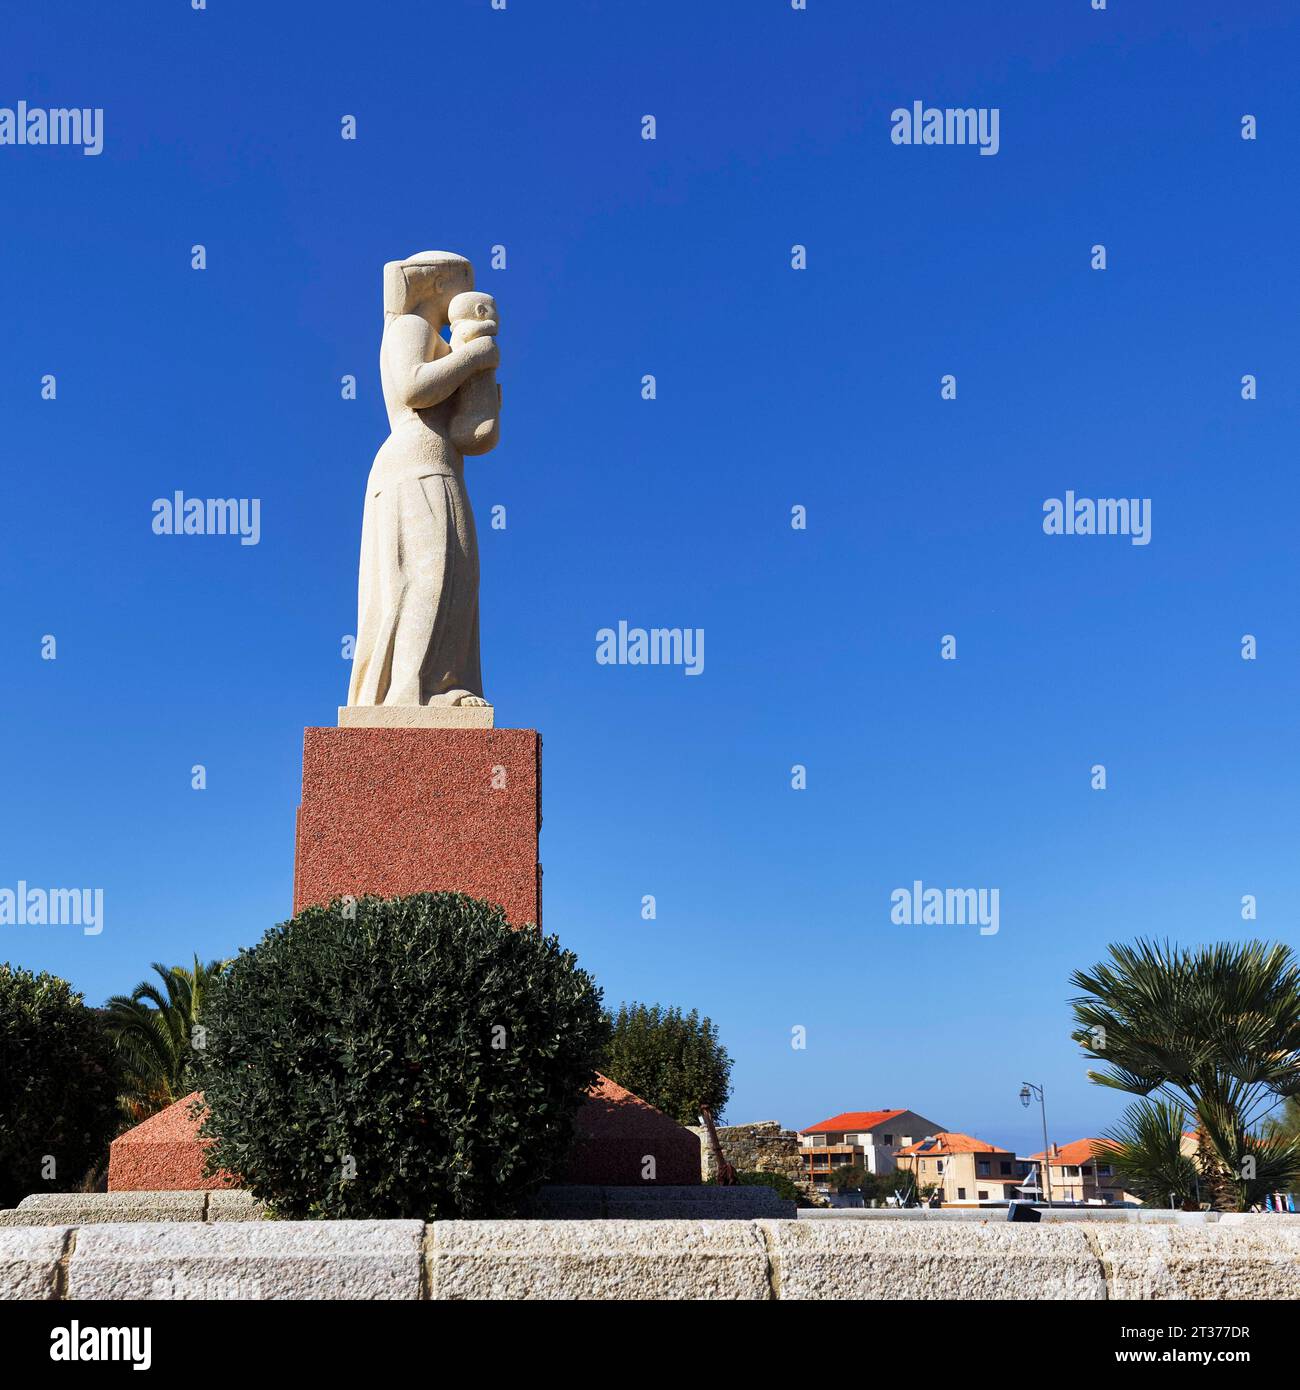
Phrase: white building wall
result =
(881, 1159)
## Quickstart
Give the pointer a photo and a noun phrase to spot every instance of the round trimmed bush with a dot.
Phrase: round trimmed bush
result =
(409, 1057)
(58, 1086)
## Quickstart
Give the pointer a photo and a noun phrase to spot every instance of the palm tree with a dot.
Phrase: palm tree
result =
(1214, 1031)
(1146, 1151)
(153, 1028)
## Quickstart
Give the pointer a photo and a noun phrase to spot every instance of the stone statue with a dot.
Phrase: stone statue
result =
(417, 624)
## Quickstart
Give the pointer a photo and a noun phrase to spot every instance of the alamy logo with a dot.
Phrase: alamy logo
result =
(78, 1343)
(945, 907)
(656, 646)
(59, 125)
(179, 515)
(227, 1288)
(947, 125)
(1101, 516)
(53, 907)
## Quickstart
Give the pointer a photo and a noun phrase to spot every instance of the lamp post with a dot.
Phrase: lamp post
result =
(1029, 1091)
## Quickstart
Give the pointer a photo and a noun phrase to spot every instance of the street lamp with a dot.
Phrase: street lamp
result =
(1029, 1091)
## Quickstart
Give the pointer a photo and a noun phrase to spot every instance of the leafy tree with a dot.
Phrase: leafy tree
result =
(414, 1057)
(670, 1059)
(909, 1187)
(153, 1028)
(851, 1177)
(1215, 1031)
(880, 1187)
(1284, 1122)
(1146, 1152)
(58, 1086)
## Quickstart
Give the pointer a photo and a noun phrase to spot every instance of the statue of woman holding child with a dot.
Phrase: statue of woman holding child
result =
(417, 626)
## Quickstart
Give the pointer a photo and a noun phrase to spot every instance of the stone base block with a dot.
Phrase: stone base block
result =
(29, 1263)
(875, 1260)
(416, 717)
(1157, 1263)
(556, 1202)
(96, 1208)
(623, 1260)
(392, 811)
(92, 1208)
(248, 1260)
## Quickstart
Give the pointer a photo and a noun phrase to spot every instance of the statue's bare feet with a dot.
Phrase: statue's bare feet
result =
(459, 697)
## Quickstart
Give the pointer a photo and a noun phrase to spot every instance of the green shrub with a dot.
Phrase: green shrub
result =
(781, 1183)
(413, 1057)
(58, 1086)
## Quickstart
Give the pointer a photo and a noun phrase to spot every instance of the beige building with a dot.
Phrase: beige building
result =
(1076, 1175)
(868, 1139)
(966, 1170)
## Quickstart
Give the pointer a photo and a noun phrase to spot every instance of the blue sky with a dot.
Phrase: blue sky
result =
(776, 387)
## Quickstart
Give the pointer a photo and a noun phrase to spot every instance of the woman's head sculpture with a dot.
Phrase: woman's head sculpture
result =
(432, 277)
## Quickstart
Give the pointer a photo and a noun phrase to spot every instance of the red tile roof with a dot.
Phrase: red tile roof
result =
(1080, 1151)
(853, 1120)
(945, 1143)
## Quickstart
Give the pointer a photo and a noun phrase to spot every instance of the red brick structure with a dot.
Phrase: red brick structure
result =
(398, 811)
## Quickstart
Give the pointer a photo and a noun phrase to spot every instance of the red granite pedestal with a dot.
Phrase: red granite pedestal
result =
(397, 811)
(621, 1141)
(163, 1154)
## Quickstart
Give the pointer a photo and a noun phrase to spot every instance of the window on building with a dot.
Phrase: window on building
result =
(1087, 1172)
(961, 1194)
(983, 1196)
(982, 1168)
(889, 1139)
(1004, 1167)
(1103, 1170)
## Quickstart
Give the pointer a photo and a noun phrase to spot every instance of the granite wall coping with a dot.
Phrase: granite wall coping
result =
(765, 1260)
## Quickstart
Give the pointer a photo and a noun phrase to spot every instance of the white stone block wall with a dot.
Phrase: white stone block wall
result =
(764, 1260)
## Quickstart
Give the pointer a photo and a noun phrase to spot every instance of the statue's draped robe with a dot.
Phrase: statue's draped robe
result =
(417, 618)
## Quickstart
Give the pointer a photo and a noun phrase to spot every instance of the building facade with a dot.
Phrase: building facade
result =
(1075, 1174)
(869, 1139)
(965, 1170)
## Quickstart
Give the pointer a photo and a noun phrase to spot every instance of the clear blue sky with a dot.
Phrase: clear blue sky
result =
(775, 388)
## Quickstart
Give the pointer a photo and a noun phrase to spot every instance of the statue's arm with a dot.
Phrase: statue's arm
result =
(422, 384)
